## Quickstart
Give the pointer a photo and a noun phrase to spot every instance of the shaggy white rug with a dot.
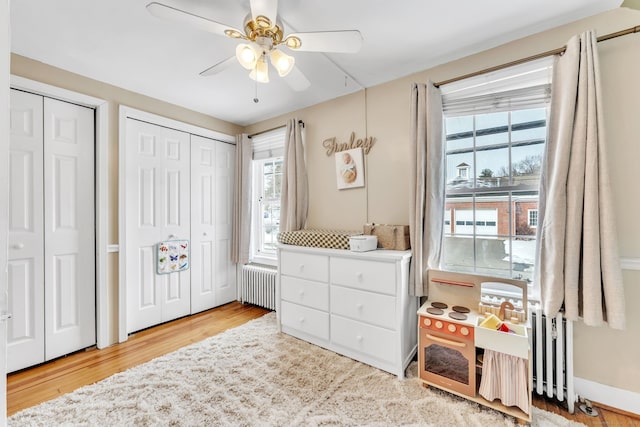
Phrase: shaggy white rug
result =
(254, 376)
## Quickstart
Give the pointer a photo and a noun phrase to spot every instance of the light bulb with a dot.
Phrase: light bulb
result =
(282, 62)
(246, 56)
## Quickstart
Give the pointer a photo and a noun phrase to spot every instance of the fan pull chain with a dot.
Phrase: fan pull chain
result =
(255, 98)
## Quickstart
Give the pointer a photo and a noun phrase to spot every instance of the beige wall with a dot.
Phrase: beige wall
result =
(601, 355)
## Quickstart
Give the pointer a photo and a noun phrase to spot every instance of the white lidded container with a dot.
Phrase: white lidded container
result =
(363, 243)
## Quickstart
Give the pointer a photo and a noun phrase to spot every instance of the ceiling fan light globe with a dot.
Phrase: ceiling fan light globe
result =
(260, 73)
(247, 56)
(282, 62)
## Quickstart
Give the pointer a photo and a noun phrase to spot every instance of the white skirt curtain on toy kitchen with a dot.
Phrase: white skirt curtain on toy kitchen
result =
(578, 264)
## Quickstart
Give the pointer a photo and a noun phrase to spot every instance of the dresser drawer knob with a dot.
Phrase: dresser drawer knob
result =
(301, 320)
(359, 338)
(301, 293)
(301, 268)
(359, 306)
(359, 276)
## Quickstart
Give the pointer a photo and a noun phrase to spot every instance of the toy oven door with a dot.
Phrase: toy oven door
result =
(448, 361)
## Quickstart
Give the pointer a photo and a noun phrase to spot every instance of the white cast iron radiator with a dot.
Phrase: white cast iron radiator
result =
(552, 340)
(258, 285)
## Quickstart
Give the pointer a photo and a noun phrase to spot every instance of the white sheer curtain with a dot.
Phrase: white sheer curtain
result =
(294, 200)
(241, 232)
(426, 214)
(577, 259)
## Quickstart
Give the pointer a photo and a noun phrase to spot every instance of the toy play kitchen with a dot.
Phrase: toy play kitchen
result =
(474, 340)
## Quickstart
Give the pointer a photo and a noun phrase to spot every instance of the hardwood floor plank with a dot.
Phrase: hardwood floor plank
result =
(50, 380)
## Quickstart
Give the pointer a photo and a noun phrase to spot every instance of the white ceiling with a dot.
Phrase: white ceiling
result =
(119, 42)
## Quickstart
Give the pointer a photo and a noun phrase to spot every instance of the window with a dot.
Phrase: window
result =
(494, 142)
(268, 150)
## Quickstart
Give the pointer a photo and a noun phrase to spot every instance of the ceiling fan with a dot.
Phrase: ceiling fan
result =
(263, 39)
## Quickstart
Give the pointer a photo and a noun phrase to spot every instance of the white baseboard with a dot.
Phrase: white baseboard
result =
(625, 400)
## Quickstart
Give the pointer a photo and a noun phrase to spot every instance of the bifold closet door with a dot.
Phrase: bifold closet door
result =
(157, 209)
(69, 228)
(212, 273)
(225, 269)
(51, 230)
(25, 330)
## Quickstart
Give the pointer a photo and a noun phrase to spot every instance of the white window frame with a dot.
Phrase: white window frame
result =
(267, 147)
(521, 87)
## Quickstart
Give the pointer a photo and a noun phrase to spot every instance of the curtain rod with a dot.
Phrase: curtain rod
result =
(300, 122)
(557, 51)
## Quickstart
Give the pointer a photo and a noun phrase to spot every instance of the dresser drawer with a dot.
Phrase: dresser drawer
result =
(368, 307)
(305, 292)
(304, 319)
(371, 340)
(305, 266)
(362, 274)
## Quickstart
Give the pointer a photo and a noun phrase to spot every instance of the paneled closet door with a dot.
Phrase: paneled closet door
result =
(203, 229)
(225, 273)
(157, 202)
(213, 279)
(25, 330)
(69, 230)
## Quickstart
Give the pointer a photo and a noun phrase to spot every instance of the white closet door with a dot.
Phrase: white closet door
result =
(157, 209)
(25, 330)
(69, 230)
(203, 204)
(225, 272)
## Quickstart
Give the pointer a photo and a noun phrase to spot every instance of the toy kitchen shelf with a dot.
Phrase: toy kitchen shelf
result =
(451, 342)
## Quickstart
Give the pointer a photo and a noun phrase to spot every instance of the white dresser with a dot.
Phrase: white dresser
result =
(354, 303)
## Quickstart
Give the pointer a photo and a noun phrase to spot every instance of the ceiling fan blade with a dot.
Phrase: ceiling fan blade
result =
(297, 80)
(266, 8)
(219, 67)
(347, 41)
(176, 15)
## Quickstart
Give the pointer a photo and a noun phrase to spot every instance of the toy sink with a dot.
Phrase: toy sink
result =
(515, 342)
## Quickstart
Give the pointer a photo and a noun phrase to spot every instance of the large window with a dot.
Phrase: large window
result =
(494, 149)
(267, 162)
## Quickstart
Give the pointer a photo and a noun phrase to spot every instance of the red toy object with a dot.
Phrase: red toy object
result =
(504, 328)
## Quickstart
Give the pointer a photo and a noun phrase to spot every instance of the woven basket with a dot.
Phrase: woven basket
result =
(395, 237)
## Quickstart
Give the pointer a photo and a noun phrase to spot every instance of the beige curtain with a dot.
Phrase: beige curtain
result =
(426, 214)
(242, 201)
(294, 199)
(578, 263)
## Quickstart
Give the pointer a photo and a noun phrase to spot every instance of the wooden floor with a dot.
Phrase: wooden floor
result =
(44, 382)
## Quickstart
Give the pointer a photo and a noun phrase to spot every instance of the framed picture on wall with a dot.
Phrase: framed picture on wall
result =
(350, 169)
